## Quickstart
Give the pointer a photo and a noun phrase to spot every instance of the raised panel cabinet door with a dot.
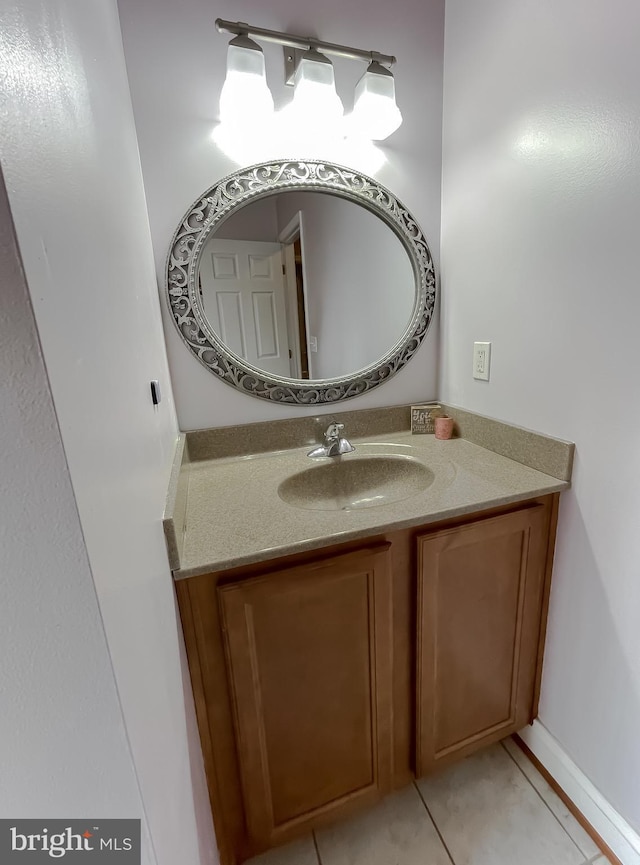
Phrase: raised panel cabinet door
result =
(309, 657)
(480, 590)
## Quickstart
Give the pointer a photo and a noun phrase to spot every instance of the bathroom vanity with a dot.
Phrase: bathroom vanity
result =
(335, 654)
(358, 620)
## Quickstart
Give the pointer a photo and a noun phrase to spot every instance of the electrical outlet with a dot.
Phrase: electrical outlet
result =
(481, 360)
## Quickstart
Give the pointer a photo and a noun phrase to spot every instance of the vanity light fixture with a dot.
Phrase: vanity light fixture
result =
(245, 100)
(315, 100)
(375, 112)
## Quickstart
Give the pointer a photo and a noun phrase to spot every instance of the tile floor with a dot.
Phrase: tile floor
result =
(493, 808)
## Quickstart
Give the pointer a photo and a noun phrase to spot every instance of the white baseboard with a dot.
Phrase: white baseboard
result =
(612, 828)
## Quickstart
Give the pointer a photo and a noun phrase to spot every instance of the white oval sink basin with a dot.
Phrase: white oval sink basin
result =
(352, 482)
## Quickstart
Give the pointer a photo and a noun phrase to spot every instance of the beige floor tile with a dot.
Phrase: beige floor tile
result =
(302, 852)
(398, 831)
(584, 841)
(489, 814)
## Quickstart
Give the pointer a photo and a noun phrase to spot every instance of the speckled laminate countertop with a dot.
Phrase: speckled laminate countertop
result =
(234, 516)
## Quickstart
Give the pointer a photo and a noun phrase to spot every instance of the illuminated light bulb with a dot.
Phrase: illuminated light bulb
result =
(316, 104)
(245, 100)
(375, 113)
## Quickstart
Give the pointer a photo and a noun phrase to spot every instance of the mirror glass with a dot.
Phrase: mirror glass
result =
(306, 285)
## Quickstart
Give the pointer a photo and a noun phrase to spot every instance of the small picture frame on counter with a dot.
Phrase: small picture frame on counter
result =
(423, 418)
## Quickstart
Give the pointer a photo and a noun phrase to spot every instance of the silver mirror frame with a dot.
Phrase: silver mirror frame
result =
(259, 181)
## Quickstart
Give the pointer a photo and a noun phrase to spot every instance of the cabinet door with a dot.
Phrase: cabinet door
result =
(480, 591)
(309, 662)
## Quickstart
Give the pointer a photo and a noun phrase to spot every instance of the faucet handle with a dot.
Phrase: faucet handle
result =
(333, 431)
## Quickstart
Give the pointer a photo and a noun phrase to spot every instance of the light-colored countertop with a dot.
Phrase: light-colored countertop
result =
(234, 516)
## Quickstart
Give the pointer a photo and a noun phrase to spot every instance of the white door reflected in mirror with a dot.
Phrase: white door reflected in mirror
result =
(243, 293)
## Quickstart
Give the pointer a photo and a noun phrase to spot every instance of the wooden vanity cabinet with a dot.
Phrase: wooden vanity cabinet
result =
(309, 660)
(480, 598)
(291, 668)
(325, 680)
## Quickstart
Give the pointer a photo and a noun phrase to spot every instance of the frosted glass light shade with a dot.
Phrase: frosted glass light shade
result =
(245, 99)
(375, 113)
(315, 100)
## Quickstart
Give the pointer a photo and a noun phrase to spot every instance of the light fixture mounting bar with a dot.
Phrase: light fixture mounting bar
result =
(302, 42)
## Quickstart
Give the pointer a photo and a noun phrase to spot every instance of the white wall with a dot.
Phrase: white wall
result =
(541, 208)
(71, 164)
(63, 743)
(176, 63)
(258, 221)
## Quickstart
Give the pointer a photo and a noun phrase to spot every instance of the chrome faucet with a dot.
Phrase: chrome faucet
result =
(334, 444)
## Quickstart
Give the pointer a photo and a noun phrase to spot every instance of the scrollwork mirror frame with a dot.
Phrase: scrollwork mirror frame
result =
(259, 181)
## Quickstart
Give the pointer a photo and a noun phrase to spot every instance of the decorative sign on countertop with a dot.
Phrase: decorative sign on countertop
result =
(423, 418)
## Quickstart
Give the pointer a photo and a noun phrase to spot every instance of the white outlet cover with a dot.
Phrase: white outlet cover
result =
(481, 360)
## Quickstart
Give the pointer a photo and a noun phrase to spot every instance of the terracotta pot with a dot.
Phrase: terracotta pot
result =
(444, 427)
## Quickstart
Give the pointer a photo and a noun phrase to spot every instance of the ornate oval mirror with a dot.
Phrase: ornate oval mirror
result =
(300, 282)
